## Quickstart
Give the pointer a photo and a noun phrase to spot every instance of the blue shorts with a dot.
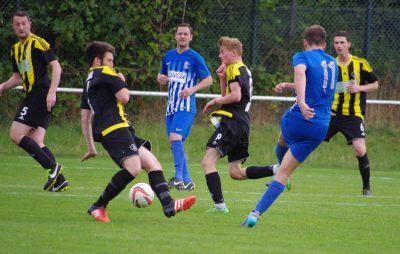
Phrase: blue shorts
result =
(180, 123)
(302, 136)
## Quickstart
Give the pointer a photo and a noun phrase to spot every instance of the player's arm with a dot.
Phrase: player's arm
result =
(55, 80)
(279, 88)
(205, 82)
(355, 88)
(234, 96)
(12, 82)
(123, 95)
(86, 125)
(300, 87)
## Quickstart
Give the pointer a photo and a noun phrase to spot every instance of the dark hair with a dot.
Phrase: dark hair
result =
(184, 25)
(343, 34)
(20, 13)
(315, 35)
(98, 49)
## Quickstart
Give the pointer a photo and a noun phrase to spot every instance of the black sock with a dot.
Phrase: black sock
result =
(160, 187)
(214, 186)
(114, 187)
(37, 153)
(254, 172)
(363, 166)
(48, 152)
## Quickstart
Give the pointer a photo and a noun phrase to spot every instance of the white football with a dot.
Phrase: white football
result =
(141, 195)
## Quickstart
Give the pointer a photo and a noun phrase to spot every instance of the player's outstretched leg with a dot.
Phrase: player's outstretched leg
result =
(99, 213)
(179, 205)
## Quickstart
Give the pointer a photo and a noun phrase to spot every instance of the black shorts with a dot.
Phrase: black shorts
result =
(231, 138)
(122, 143)
(33, 109)
(351, 127)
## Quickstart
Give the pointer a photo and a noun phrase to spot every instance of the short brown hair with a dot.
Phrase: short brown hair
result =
(315, 35)
(184, 25)
(98, 49)
(20, 13)
(232, 44)
(343, 34)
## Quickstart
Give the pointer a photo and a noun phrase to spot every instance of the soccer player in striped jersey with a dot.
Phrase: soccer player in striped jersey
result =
(30, 58)
(103, 119)
(356, 79)
(181, 68)
(232, 120)
(305, 124)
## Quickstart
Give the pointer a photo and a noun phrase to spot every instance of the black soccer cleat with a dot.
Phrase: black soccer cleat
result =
(52, 176)
(60, 185)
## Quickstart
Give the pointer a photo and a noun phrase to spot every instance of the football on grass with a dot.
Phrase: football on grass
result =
(141, 195)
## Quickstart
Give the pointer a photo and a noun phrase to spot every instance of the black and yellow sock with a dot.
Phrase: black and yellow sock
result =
(114, 187)
(363, 166)
(255, 172)
(215, 188)
(160, 187)
(34, 150)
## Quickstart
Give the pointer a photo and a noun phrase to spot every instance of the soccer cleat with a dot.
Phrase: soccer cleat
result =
(179, 205)
(175, 183)
(366, 193)
(52, 176)
(218, 210)
(98, 213)
(60, 185)
(188, 186)
(251, 219)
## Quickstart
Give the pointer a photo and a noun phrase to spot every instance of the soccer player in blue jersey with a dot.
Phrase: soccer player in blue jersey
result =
(181, 68)
(305, 124)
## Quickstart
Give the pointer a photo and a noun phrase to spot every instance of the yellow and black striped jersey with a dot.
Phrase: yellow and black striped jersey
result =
(30, 60)
(353, 104)
(238, 72)
(98, 96)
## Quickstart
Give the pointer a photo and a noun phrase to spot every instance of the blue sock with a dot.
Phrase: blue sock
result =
(186, 173)
(280, 151)
(179, 155)
(270, 195)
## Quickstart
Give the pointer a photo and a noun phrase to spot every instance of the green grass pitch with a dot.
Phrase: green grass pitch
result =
(323, 213)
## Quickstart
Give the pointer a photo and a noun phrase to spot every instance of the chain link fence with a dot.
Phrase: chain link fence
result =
(271, 32)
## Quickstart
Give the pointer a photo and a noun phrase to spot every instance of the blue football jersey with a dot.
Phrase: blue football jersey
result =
(321, 78)
(183, 71)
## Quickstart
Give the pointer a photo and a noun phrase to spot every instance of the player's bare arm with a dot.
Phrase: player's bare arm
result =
(162, 79)
(355, 88)
(300, 86)
(86, 125)
(12, 82)
(234, 96)
(221, 73)
(204, 83)
(55, 80)
(279, 88)
(123, 95)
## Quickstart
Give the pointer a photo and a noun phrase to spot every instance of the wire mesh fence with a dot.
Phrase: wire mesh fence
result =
(271, 31)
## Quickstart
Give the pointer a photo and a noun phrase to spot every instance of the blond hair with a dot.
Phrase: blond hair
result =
(231, 44)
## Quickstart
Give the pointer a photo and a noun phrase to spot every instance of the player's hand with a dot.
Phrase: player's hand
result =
(88, 155)
(162, 79)
(51, 100)
(221, 71)
(279, 88)
(306, 111)
(209, 105)
(186, 93)
(354, 87)
(121, 76)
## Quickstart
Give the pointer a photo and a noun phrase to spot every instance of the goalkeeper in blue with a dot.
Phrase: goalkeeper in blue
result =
(305, 124)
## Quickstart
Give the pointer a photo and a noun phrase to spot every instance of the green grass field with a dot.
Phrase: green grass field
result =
(324, 212)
